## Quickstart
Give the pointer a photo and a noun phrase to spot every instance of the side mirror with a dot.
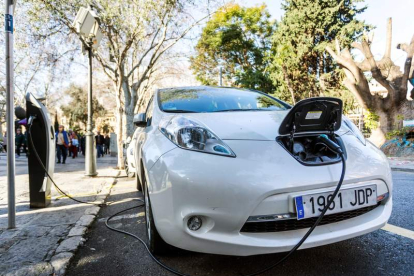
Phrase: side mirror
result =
(140, 120)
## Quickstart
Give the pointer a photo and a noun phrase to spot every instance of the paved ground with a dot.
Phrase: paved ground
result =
(401, 164)
(378, 253)
(45, 239)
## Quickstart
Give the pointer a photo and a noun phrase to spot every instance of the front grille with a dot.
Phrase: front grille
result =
(293, 224)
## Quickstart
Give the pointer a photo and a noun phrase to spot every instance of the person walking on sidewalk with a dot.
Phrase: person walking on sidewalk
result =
(107, 144)
(70, 142)
(19, 140)
(100, 141)
(75, 144)
(25, 148)
(82, 144)
(62, 143)
(5, 141)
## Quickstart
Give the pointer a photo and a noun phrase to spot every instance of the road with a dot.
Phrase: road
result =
(378, 253)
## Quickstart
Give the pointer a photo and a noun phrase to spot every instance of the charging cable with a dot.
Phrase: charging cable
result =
(30, 123)
(328, 142)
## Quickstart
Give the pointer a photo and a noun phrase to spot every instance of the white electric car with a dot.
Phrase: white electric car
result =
(237, 172)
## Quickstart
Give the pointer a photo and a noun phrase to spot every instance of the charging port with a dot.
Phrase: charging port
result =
(310, 150)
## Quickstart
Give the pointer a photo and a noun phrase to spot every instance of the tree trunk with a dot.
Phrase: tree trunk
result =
(394, 107)
(129, 120)
(125, 117)
(391, 119)
(119, 127)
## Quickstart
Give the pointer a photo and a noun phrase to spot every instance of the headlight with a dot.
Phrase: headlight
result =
(192, 135)
(353, 128)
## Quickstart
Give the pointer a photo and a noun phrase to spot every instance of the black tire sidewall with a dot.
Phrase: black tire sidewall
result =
(156, 244)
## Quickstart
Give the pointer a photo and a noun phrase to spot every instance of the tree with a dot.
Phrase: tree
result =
(385, 72)
(56, 123)
(37, 56)
(77, 108)
(136, 34)
(237, 39)
(302, 67)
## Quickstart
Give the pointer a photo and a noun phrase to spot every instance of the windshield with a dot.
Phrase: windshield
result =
(212, 99)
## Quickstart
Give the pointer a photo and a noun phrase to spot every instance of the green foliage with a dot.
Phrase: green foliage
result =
(77, 109)
(238, 40)
(399, 132)
(307, 27)
(371, 120)
(348, 100)
(106, 128)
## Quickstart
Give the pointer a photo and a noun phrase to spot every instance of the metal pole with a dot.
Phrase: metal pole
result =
(10, 113)
(90, 160)
(221, 76)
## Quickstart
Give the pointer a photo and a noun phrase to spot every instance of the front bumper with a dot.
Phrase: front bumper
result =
(225, 192)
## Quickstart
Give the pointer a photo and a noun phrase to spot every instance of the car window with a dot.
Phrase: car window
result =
(216, 99)
(148, 112)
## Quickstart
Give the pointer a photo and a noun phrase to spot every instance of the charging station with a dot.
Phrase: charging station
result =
(42, 134)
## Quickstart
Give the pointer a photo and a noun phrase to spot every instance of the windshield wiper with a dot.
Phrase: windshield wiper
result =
(239, 109)
(179, 111)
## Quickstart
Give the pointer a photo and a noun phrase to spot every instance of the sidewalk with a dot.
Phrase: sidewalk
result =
(45, 239)
(401, 164)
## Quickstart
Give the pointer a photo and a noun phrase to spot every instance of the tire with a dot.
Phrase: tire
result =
(155, 243)
(139, 186)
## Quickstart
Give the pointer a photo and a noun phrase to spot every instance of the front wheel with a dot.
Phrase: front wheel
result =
(128, 169)
(155, 243)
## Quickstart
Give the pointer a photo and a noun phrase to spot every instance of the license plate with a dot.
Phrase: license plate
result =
(311, 205)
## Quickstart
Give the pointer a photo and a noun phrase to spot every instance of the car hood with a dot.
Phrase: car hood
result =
(242, 125)
(246, 125)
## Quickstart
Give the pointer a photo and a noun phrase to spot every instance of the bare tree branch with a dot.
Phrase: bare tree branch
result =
(387, 53)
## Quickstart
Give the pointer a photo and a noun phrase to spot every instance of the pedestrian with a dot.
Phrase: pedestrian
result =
(5, 141)
(82, 144)
(25, 144)
(79, 143)
(107, 144)
(100, 140)
(19, 140)
(70, 142)
(62, 144)
(75, 144)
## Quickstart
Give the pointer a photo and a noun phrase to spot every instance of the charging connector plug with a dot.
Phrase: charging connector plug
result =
(331, 144)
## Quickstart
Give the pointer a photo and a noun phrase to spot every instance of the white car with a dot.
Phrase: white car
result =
(129, 153)
(129, 159)
(237, 172)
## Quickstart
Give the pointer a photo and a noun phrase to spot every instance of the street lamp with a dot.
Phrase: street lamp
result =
(87, 27)
(8, 15)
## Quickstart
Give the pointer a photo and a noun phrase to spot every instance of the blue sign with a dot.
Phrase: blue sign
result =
(299, 207)
(9, 23)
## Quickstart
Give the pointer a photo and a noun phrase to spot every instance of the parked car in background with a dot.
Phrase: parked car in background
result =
(129, 153)
(128, 164)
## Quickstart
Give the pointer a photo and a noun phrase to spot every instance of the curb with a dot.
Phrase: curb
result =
(395, 169)
(64, 253)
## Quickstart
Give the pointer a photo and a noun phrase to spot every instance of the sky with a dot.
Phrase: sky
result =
(376, 14)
